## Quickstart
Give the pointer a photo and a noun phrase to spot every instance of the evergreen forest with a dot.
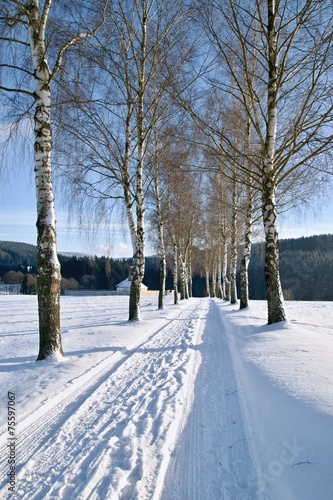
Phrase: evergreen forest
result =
(306, 265)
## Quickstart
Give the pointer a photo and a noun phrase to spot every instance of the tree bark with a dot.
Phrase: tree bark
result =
(214, 278)
(175, 273)
(161, 293)
(160, 226)
(48, 267)
(138, 266)
(183, 277)
(139, 255)
(207, 278)
(275, 303)
(244, 276)
(189, 278)
(207, 273)
(225, 281)
(233, 271)
(219, 274)
(233, 257)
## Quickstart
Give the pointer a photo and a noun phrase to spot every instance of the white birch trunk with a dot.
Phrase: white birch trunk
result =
(233, 257)
(244, 277)
(207, 277)
(161, 293)
(189, 278)
(225, 293)
(134, 302)
(183, 276)
(139, 253)
(233, 270)
(244, 274)
(175, 272)
(219, 274)
(275, 303)
(186, 276)
(48, 267)
(214, 278)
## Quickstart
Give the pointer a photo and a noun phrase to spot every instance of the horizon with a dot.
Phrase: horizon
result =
(69, 253)
(18, 222)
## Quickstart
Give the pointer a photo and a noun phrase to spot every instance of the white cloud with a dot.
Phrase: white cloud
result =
(116, 250)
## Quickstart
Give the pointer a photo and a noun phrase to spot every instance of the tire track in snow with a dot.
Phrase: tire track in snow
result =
(212, 459)
(105, 438)
(75, 392)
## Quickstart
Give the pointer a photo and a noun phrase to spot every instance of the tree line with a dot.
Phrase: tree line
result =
(305, 264)
(201, 121)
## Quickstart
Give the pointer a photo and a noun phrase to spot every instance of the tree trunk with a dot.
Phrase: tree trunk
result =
(139, 256)
(183, 277)
(207, 276)
(244, 276)
(48, 267)
(233, 257)
(214, 278)
(161, 293)
(227, 289)
(219, 274)
(186, 277)
(137, 274)
(233, 271)
(189, 278)
(139, 253)
(225, 294)
(175, 273)
(138, 267)
(134, 302)
(275, 302)
(276, 310)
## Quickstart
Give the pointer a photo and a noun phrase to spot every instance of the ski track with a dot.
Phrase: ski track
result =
(112, 436)
(212, 460)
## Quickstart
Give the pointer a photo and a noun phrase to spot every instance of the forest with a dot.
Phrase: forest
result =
(195, 124)
(305, 264)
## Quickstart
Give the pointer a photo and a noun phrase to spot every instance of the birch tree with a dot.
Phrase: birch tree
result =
(161, 239)
(157, 215)
(120, 103)
(29, 41)
(181, 205)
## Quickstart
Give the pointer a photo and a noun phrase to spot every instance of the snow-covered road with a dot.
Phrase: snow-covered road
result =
(212, 460)
(109, 435)
(198, 402)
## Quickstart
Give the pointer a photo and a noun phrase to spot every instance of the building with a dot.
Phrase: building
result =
(123, 288)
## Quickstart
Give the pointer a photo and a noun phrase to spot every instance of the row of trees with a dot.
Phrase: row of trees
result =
(202, 118)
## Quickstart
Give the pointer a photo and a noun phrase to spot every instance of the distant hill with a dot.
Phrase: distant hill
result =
(16, 254)
(306, 267)
(13, 253)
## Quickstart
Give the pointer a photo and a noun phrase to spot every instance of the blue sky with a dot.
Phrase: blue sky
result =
(18, 218)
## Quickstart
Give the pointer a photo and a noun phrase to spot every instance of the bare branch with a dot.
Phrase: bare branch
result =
(20, 91)
(74, 41)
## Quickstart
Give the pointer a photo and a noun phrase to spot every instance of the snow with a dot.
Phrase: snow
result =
(200, 401)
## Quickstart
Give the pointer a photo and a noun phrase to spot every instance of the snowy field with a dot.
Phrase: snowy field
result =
(198, 402)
